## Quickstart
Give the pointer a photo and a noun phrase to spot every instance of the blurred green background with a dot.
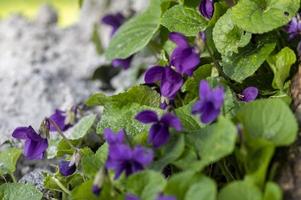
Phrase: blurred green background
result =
(68, 9)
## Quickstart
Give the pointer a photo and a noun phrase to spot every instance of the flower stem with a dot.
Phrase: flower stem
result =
(13, 177)
(62, 134)
(61, 185)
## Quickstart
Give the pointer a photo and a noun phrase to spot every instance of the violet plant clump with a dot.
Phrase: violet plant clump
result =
(202, 122)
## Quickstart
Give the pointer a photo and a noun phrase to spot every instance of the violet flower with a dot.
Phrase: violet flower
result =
(123, 158)
(159, 131)
(115, 21)
(206, 8)
(131, 197)
(66, 168)
(165, 197)
(35, 145)
(184, 57)
(294, 27)
(59, 117)
(170, 81)
(249, 94)
(114, 138)
(210, 103)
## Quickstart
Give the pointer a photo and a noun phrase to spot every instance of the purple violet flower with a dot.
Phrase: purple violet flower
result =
(131, 197)
(114, 138)
(294, 27)
(115, 21)
(66, 168)
(35, 145)
(210, 103)
(249, 94)
(171, 81)
(184, 57)
(96, 190)
(123, 158)
(59, 117)
(206, 8)
(159, 131)
(165, 197)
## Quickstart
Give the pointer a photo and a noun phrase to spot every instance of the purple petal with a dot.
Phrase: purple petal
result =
(147, 116)
(197, 107)
(172, 121)
(154, 74)
(65, 168)
(20, 133)
(33, 135)
(124, 63)
(218, 97)
(164, 197)
(131, 197)
(179, 39)
(249, 94)
(185, 60)
(59, 118)
(204, 89)
(34, 150)
(171, 83)
(142, 155)
(209, 113)
(206, 8)
(113, 138)
(158, 135)
(114, 20)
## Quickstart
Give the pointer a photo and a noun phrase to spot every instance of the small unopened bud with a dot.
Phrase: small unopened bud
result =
(201, 41)
(71, 115)
(66, 168)
(98, 182)
(44, 128)
(75, 159)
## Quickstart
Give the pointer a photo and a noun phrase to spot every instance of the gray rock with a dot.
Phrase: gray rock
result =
(42, 68)
(35, 178)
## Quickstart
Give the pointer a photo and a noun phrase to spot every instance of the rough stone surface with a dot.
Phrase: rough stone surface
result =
(42, 67)
(35, 178)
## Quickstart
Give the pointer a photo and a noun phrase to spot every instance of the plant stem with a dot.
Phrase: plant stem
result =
(62, 134)
(61, 185)
(13, 178)
(222, 165)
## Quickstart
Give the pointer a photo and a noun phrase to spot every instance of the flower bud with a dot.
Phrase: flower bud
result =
(206, 8)
(44, 128)
(98, 182)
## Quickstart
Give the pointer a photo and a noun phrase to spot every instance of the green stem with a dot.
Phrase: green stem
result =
(13, 178)
(61, 185)
(226, 172)
(62, 134)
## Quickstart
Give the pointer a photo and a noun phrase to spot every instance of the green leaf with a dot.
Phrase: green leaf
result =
(281, 64)
(191, 85)
(259, 16)
(146, 184)
(17, 191)
(64, 148)
(136, 33)
(82, 127)
(170, 152)
(268, 120)
(90, 163)
(84, 191)
(141, 95)
(272, 192)
(204, 189)
(244, 64)
(213, 142)
(189, 122)
(239, 190)
(228, 37)
(191, 186)
(118, 118)
(8, 160)
(184, 20)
